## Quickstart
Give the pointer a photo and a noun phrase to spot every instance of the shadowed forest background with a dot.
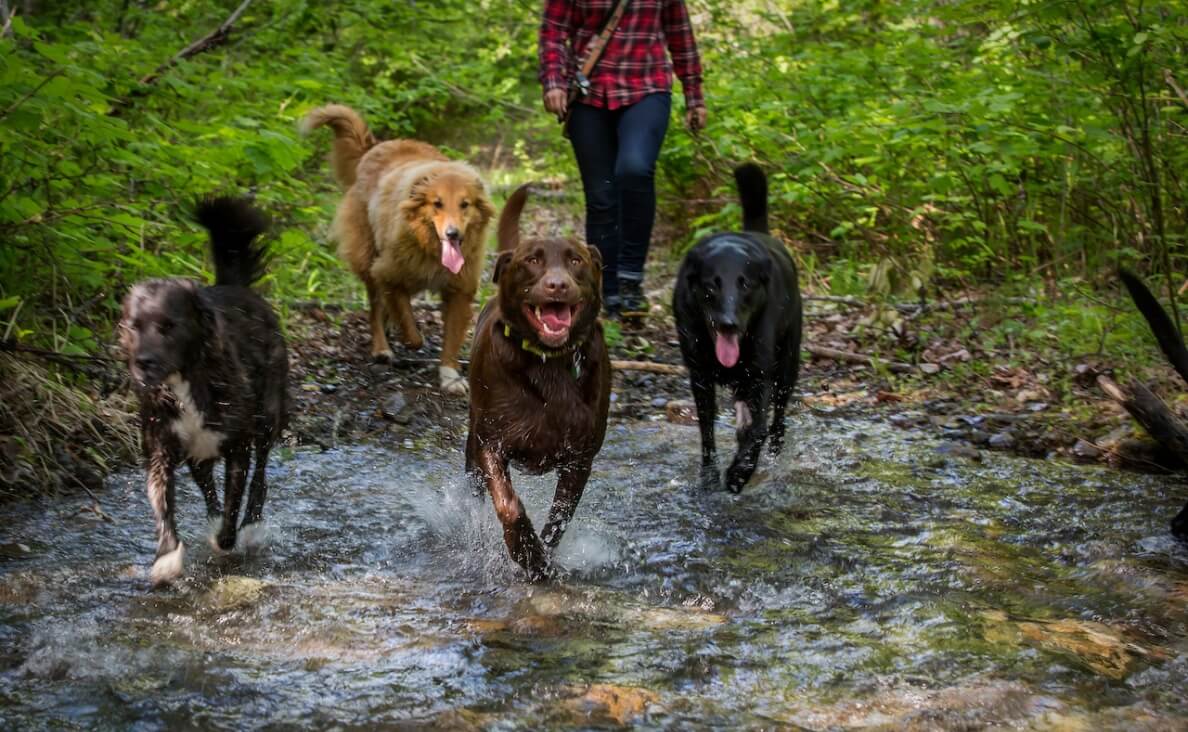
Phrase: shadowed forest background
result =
(915, 150)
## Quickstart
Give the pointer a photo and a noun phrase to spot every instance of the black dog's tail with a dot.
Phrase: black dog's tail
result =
(752, 191)
(233, 224)
(1160, 322)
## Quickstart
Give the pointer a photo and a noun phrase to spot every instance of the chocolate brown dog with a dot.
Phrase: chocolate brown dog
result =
(539, 381)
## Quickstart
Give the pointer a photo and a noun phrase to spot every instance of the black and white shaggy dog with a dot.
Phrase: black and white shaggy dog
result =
(210, 367)
(738, 316)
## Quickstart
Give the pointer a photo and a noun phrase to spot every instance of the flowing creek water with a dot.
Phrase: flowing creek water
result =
(862, 580)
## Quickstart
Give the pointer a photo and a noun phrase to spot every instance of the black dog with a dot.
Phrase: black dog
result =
(1172, 346)
(211, 370)
(738, 315)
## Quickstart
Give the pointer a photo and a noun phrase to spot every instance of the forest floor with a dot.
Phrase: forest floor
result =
(1042, 407)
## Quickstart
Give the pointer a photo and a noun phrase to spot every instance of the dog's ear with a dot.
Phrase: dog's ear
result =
(595, 257)
(484, 205)
(501, 263)
(692, 271)
(417, 194)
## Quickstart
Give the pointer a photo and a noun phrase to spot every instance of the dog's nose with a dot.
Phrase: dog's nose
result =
(452, 233)
(556, 285)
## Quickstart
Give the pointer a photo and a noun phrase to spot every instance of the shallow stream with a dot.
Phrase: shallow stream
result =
(862, 581)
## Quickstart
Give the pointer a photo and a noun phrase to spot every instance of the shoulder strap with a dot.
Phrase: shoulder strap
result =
(598, 43)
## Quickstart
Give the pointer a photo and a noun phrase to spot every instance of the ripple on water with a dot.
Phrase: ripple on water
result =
(860, 582)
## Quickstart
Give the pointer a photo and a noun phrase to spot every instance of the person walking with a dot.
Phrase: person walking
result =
(617, 115)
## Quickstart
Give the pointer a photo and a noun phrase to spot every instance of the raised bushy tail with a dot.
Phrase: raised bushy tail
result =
(234, 224)
(752, 192)
(1161, 324)
(352, 138)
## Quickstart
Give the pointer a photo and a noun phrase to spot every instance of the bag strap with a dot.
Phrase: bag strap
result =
(597, 44)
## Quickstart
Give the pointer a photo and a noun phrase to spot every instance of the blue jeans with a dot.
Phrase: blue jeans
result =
(616, 151)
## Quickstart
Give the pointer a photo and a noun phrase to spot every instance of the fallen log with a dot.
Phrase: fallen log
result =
(1152, 414)
(861, 358)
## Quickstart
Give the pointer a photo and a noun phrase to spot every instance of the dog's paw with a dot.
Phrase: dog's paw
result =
(168, 567)
(710, 479)
(551, 535)
(214, 527)
(384, 357)
(253, 537)
(742, 416)
(737, 477)
(452, 382)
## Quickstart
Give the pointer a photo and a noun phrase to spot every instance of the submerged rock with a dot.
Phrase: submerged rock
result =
(232, 592)
(610, 703)
(1095, 645)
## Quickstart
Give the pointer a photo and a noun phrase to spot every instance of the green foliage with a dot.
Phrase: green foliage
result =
(972, 139)
(907, 142)
(98, 172)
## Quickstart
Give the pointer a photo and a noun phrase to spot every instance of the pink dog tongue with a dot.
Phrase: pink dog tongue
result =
(726, 348)
(556, 316)
(451, 257)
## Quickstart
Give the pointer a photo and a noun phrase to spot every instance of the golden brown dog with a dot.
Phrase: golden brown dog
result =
(411, 220)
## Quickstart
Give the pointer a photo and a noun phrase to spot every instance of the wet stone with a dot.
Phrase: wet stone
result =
(659, 402)
(959, 450)
(394, 405)
(1002, 441)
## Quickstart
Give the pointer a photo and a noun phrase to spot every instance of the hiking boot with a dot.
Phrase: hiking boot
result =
(633, 304)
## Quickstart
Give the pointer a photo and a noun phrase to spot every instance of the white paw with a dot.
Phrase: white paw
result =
(452, 382)
(213, 527)
(742, 415)
(168, 567)
(253, 536)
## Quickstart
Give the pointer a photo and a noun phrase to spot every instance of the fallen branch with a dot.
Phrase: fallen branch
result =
(1152, 413)
(215, 38)
(850, 357)
(649, 366)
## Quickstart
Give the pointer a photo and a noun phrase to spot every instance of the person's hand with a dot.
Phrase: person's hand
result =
(695, 118)
(556, 100)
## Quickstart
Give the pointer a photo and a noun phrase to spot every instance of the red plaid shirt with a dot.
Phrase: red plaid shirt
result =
(634, 63)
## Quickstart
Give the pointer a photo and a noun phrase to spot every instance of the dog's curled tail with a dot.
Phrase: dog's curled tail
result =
(752, 192)
(352, 138)
(1161, 324)
(508, 232)
(234, 224)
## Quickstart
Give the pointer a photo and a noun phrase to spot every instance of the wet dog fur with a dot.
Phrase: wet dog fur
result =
(210, 368)
(539, 381)
(738, 316)
(411, 220)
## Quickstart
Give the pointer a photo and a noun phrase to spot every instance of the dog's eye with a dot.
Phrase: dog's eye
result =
(437, 204)
(533, 259)
(575, 261)
(743, 284)
(165, 326)
(465, 205)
